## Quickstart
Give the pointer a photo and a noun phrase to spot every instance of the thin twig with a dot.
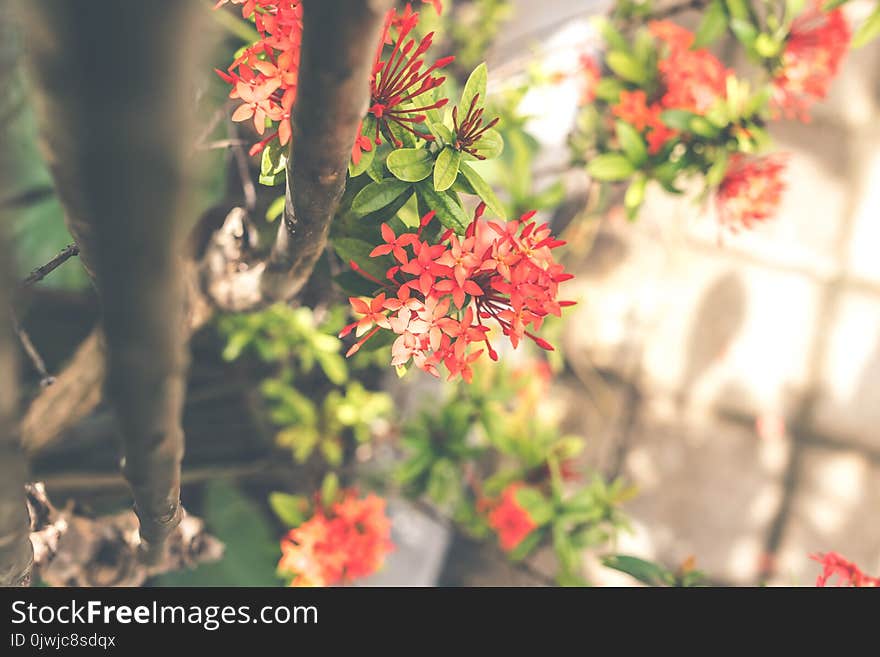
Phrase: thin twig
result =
(37, 361)
(41, 272)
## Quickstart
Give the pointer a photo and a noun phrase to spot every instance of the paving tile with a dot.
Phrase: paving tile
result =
(849, 407)
(834, 509)
(710, 491)
(711, 329)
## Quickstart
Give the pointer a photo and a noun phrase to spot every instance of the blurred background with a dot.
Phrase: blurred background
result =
(733, 380)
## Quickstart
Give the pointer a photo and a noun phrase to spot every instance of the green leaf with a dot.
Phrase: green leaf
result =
(354, 170)
(476, 84)
(443, 134)
(290, 509)
(484, 191)
(410, 164)
(525, 546)
(350, 248)
(377, 195)
(539, 508)
(712, 26)
(867, 30)
(716, 172)
(449, 212)
(329, 489)
(446, 168)
(745, 31)
(273, 164)
(610, 166)
(646, 572)
(701, 126)
(608, 89)
(275, 209)
(334, 366)
(677, 119)
(565, 551)
(491, 144)
(738, 9)
(626, 66)
(353, 284)
(613, 37)
(331, 448)
(632, 143)
(635, 195)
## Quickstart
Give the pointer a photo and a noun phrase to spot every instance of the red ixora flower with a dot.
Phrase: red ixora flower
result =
(265, 74)
(691, 80)
(813, 52)
(349, 542)
(751, 190)
(437, 297)
(398, 84)
(847, 573)
(510, 521)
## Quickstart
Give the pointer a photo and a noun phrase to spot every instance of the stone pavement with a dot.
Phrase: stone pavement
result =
(737, 385)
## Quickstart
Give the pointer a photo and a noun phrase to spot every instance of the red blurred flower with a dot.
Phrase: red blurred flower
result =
(349, 542)
(438, 296)
(589, 78)
(693, 80)
(751, 190)
(847, 573)
(634, 109)
(510, 521)
(813, 52)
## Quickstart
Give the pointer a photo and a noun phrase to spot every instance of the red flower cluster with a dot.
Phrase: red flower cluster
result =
(399, 81)
(848, 574)
(264, 75)
(816, 45)
(510, 521)
(692, 80)
(349, 543)
(751, 190)
(437, 295)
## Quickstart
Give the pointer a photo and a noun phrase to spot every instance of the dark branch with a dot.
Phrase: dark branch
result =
(15, 548)
(75, 550)
(228, 271)
(119, 162)
(41, 272)
(339, 39)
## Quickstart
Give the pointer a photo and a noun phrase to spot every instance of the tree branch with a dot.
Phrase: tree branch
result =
(16, 554)
(15, 548)
(74, 550)
(118, 158)
(333, 96)
(41, 272)
(339, 39)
